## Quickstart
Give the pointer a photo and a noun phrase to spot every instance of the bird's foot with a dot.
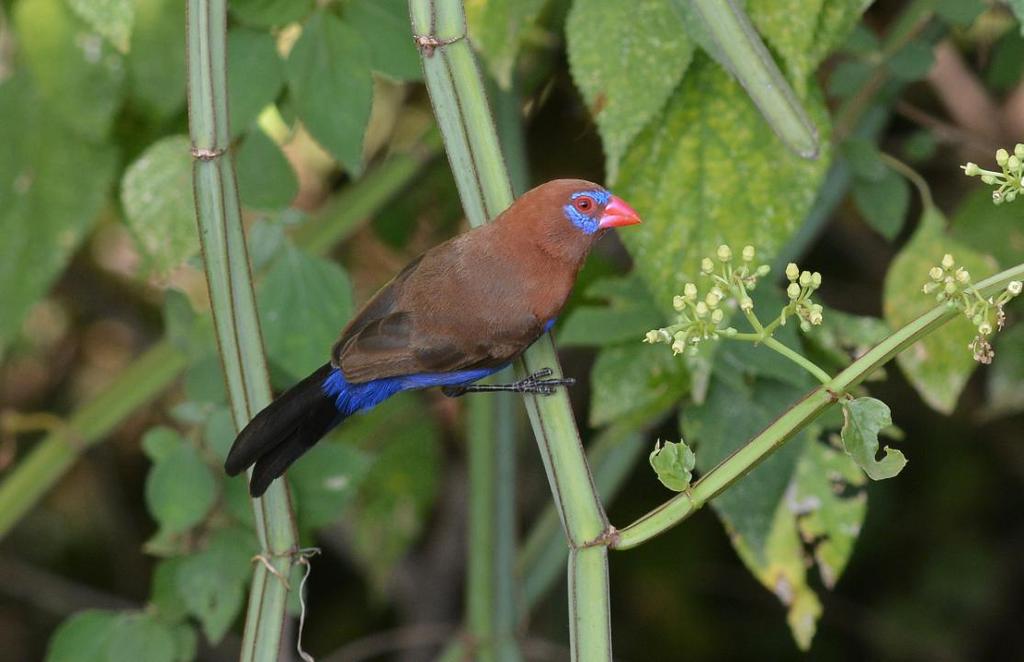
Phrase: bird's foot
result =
(537, 384)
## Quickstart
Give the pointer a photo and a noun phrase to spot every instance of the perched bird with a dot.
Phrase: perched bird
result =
(456, 314)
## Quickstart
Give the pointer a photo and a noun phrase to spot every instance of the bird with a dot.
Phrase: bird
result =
(456, 314)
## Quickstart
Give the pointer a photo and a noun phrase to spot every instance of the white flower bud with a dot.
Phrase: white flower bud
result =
(678, 347)
(962, 275)
(816, 280)
(748, 253)
(747, 304)
(947, 261)
(652, 336)
(1013, 163)
(1002, 157)
(1018, 151)
(984, 328)
(793, 291)
(729, 332)
(679, 303)
(988, 179)
(935, 273)
(1011, 195)
(690, 291)
(792, 271)
(950, 288)
(702, 309)
(724, 253)
(1014, 287)
(971, 169)
(764, 269)
(717, 316)
(997, 198)
(706, 265)
(929, 287)
(805, 279)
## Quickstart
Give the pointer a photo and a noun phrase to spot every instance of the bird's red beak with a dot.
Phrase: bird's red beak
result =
(617, 213)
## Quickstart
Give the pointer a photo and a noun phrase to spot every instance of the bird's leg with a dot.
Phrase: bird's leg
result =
(535, 383)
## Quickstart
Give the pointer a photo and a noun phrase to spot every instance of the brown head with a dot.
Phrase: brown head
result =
(564, 217)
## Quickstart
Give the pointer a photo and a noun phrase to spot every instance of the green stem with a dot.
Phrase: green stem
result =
(797, 358)
(460, 105)
(233, 304)
(158, 368)
(737, 47)
(911, 174)
(793, 420)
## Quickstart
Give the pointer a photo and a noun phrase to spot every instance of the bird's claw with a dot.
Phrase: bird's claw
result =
(538, 385)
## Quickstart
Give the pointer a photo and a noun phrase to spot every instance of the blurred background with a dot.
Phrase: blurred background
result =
(113, 416)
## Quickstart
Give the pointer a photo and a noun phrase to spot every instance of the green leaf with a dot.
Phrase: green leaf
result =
(626, 58)
(52, 186)
(1006, 374)
(112, 19)
(848, 77)
(219, 432)
(803, 32)
(211, 582)
(628, 315)
(189, 332)
(255, 75)
(709, 171)
(844, 336)
(817, 522)
(1018, 10)
(170, 606)
(83, 637)
(156, 192)
(141, 637)
(270, 13)
(179, 489)
(497, 28)
(392, 51)
(938, 365)
(990, 229)
(883, 203)
(328, 74)
(673, 463)
(1006, 64)
(304, 303)
(159, 442)
(156, 62)
(265, 178)
(959, 12)
(912, 62)
(731, 414)
(326, 481)
(634, 378)
(399, 488)
(863, 419)
(77, 73)
(186, 642)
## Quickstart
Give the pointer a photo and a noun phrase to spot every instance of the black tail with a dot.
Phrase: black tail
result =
(282, 432)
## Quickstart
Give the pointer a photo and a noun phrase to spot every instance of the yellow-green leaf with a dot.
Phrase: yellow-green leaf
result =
(497, 28)
(110, 18)
(626, 58)
(938, 365)
(673, 463)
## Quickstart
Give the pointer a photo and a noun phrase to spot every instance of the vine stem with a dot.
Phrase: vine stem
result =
(799, 359)
(464, 116)
(793, 420)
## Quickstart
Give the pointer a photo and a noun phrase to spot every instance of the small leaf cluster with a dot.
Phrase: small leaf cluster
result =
(1010, 180)
(952, 284)
(673, 463)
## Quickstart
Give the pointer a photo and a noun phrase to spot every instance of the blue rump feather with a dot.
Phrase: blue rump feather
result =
(350, 398)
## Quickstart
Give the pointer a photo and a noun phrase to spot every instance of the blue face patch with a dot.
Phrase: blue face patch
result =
(581, 220)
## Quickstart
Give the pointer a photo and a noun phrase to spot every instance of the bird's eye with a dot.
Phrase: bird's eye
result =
(583, 203)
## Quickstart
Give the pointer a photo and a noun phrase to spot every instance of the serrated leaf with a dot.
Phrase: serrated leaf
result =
(265, 177)
(180, 489)
(399, 488)
(392, 51)
(156, 192)
(629, 313)
(211, 582)
(112, 19)
(77, 73)
(497, 28)
(632, 378)
(270, 13)
(304, 303)
(883, 203)
(803, 32)
(939, 364)
(156, 61)
(52, 186)
(255, 75)
(82, 637)
(673, 464)
(996, 230)
(326, 481)
(626, 58)
(328, 73)
(732, 413)
(141, 637)
(709, 171)
(863, 419)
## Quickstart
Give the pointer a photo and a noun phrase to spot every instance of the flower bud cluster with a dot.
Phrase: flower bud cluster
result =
(1010, 181)
(802, 284)
(952, 284)
(701, 317)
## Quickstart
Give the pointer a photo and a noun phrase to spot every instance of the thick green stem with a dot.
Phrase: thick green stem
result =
(460, 105)
(233, 304)
(735, 44)
(158, 368)
(793, 420)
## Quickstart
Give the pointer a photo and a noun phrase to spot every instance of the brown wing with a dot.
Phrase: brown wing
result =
(422, 322)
